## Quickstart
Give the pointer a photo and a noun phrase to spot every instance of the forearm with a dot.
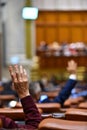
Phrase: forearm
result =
(32, 116)
(66, 91)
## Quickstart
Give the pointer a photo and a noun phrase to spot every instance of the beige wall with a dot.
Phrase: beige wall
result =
(14, 29)
(60, 4)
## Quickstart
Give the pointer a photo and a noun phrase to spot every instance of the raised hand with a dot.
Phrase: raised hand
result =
(20, 80)
(72, 67)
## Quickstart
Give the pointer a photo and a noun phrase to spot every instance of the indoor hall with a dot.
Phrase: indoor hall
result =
(43, 44)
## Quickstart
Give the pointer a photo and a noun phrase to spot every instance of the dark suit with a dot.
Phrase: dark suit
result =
(64, 94)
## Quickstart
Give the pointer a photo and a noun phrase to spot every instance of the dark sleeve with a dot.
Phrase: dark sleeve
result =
(32, 116)
(65, 92)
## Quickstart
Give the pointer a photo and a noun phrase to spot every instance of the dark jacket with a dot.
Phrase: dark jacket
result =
(64, 94)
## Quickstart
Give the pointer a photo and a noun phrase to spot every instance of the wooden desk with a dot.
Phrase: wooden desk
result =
(49, 107)
(51, 95)
(7, 97)
(4, 99)
(76, 114)
(15, 114)
(83, 105)
(45, 107)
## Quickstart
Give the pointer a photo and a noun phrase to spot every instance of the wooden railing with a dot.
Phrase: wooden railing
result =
(48, 61)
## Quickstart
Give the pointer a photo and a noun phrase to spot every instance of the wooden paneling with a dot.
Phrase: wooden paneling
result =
(77, 34)
(85, 16)
(61, 61)
(70, 26)
(77, 17)
(63, 17)
(50, 34)
(85, 34)
(40, 31)
(50, 17)
(63, 34)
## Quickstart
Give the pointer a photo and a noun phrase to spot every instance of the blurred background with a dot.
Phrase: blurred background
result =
(43, 43)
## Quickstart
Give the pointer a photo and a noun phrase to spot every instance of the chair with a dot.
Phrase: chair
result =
(76, 114)
(59, 124)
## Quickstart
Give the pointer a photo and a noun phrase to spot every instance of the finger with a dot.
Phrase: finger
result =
(11, 72)
(15, 78)
(20, 78)
(17, 75)
(21, 71)
(25, 77)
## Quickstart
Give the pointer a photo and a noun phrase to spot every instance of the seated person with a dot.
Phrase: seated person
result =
(65, 92)
(32, 115)
(79, 94)
(80, 90)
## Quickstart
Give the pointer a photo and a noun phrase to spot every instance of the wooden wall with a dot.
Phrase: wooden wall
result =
(60, 26)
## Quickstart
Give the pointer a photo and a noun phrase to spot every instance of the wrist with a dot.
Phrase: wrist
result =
(24, 95)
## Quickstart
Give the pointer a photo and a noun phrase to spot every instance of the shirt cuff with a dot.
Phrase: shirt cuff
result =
(73, 76)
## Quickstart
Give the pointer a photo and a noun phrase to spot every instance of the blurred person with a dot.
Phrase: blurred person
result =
(32, 115)
(79, 94)
(79, 90)
(43, 46)
(35, 90)
(65, 92)
(8, 90)
(54, 80)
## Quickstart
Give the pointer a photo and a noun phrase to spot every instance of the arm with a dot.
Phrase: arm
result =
(32, 115)
(70, 84)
